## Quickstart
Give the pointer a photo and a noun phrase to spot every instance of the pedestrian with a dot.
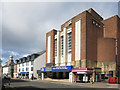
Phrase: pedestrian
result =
(91, 80)
(32, 77)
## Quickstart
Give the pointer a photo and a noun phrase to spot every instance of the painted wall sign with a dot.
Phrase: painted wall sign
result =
(43, 69)
(62, 68)
(108, 74)
(48, 69)
(24, 72)
(70, 22)
(49, 64)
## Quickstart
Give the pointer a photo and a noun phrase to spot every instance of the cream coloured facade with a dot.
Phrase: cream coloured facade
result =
(78, 39)
(5, 70)
(63, 47)
(49, 51)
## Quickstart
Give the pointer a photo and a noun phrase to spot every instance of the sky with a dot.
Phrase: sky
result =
(25, 24)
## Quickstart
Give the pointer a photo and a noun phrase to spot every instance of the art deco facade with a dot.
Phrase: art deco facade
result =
(86, 41)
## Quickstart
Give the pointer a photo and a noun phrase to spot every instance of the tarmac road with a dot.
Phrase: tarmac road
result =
(17, 84)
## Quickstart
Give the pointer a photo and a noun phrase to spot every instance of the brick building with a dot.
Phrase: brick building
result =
(15, 71)
(8, 68)
(86, 43)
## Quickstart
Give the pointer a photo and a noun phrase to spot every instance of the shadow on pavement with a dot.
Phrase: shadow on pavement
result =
(34, 88)
(24, 88)
(17, 80)
(13, 80)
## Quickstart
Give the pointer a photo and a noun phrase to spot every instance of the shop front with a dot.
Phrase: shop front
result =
(61, 72)
(38, 74)
(58, 72)
(82, 74)
(46, 72)
(24, 75)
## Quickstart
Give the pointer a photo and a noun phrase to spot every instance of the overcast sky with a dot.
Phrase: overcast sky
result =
(25, 24)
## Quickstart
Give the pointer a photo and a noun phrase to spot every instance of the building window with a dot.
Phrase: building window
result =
(31, 62)
(55, 47)
(31, 68)
(61, 45)
(23, 64)
(69, 43)
(27, 63)
(19, 70)
(22, 69)
(69, 46)
(27, 69)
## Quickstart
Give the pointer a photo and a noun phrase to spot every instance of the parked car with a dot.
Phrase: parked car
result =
(6, 77)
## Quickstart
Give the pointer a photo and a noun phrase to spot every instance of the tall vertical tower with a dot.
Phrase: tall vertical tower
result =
(11, 66)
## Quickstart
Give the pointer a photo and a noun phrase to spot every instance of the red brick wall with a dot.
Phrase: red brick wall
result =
(15, 68)
(81, 16)
(88, 34)
(94, 45)
(110, 27)
(107, 40)
(118, 42)
(94, 14)
(106, 49)
(91, 38)
(52, 54)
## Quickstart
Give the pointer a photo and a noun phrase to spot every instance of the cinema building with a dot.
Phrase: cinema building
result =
(86, 46)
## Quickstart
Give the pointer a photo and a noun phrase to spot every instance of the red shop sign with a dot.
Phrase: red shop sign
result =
(112, 79)
(117, 79)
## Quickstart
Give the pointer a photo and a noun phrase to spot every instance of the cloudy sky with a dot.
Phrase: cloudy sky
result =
(25, 24)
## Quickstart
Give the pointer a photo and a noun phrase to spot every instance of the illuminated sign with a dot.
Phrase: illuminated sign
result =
(43, 69)
(62, 68)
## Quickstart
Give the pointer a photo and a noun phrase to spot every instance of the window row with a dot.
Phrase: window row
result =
(27, 69)
(27, 64)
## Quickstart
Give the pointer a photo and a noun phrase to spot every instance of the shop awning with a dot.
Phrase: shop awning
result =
(82, 70)
(23, 72)
(62, 68)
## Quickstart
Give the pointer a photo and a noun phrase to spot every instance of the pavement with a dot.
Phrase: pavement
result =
(17, 84)
(89, 85)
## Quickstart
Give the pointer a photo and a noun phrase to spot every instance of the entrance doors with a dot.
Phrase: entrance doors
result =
(60, 75)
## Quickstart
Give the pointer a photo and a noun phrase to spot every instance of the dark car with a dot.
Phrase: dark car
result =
(6, 77)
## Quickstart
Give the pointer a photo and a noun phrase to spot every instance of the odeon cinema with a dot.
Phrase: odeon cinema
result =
(85, 47)
(57, 72)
